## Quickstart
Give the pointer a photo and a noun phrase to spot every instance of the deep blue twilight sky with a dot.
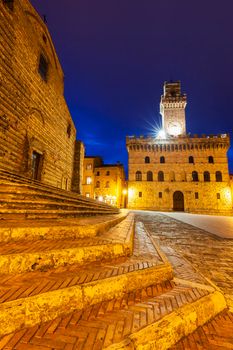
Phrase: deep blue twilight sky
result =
(116, 54)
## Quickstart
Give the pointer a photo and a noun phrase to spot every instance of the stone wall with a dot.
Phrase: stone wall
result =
(34, 118)
(77, 179)
(199, 196)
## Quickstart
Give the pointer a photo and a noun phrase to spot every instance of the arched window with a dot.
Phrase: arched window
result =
(97, 184)
(149, 176)
(195, 176)
(211, 159)
(218, 176)
(172, 176)
(138, 176)
(107, 184)
(162, 160)
(191, 160)
(160, 176)
(147, 159)
(206, 176)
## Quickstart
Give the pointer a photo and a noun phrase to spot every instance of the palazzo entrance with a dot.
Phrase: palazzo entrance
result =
(178, 201)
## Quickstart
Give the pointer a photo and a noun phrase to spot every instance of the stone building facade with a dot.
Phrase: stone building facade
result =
(104, 182)
(174, 171)
(37, 133)
(77, 178)
(89, 165)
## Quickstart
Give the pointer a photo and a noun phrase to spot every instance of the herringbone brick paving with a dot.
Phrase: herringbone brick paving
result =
(105, 323)
(14, 287)
(111, 321)
(214, 335)
(208, 254)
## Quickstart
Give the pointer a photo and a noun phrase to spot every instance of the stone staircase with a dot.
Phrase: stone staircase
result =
(105, 284)
(22, 198)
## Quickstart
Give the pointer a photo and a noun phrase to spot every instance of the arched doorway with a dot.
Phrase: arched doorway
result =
(178, 201)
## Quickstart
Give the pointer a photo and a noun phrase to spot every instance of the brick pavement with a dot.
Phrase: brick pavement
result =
(112, 321)
(105, 323)
(14, 287)
(209, 254)
(214, 335)
(221, 226)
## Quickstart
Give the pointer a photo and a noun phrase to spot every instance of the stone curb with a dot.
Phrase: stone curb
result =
(163, 334)
(47, 306)
(57, 232)
(24, 262)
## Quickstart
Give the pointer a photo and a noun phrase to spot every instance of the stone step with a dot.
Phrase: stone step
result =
(18, 182)
(21, 256)
(29, 298)
(40, 204)
(25, 193)
(21, 214)
(154, 317)
(18, 188)
(217, 334)
(30, 230)
(12, 179)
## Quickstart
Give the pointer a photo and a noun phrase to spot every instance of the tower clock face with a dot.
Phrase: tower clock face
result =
(174, 128)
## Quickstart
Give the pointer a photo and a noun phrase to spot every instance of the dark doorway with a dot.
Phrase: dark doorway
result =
(178, 201)
(36, 165)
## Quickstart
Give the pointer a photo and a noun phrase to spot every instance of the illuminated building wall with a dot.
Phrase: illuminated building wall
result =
(103, 182)
(89, 175)
(179, 172)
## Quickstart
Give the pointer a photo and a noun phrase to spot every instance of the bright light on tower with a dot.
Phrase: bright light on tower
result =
(161, 134)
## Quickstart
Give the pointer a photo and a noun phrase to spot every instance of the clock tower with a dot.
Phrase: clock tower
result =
(172, 109)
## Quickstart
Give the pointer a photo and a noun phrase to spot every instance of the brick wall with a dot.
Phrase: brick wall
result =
(33, 113)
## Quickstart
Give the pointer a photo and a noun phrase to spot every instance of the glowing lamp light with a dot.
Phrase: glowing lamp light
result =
(124, 192)
(100, 198)
(131, 192)
(227, 194)
(161, 134)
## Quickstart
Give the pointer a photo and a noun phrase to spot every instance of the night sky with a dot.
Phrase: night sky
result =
(116, 55)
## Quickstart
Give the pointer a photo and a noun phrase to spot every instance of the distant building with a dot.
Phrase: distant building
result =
(89, 165)
(174, 171)
(37, 134)
(104, 182)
